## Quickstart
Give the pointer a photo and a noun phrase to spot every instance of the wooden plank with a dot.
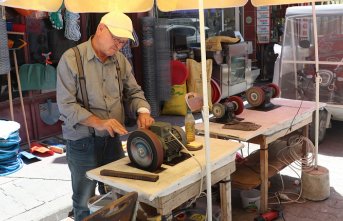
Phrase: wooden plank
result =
(271, 121)
(15, 33)
(172, 178)
(166, 204)
(269, 139)
(284, 132)
(297, 103)
(170, 202)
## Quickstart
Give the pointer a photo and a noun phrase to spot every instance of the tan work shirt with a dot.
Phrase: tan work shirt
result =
(105, 89)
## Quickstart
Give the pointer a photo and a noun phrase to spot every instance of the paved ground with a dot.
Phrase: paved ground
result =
(42, 190)
(39, 191)
(330, 156)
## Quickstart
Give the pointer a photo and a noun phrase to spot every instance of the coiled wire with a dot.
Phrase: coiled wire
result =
(295, 154)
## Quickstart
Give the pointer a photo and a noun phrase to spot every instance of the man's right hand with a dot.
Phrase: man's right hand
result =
(112, 126)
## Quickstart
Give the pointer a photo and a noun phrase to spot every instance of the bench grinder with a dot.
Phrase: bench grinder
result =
(149, 148)
(260, 96)
(226, 111)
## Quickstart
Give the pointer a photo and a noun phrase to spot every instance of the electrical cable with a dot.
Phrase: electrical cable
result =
(284, 195)
(289, 155)
(293, 153)
(201, 171)
(302, 92)
(290, 127)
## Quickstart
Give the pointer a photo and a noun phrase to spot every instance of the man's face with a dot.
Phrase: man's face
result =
(110, 43)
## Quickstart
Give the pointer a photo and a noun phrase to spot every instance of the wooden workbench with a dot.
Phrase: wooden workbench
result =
(290, 116)
(181, 182)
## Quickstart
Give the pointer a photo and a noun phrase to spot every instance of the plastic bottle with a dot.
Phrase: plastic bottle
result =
(190, 126)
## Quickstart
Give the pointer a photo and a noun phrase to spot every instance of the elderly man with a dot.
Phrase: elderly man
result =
(93, 115)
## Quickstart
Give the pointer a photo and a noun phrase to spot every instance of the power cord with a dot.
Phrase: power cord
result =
(289, 154)
(201, 171)
(282, 196)
(293, 153)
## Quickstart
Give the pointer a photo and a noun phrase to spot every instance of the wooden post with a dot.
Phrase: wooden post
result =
(264, 175)
(21, 97)
(225, 199)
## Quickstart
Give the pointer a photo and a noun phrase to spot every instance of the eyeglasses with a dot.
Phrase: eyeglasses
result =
(117, 39)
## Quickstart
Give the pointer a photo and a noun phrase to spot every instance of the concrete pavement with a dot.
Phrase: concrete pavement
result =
(39, 191)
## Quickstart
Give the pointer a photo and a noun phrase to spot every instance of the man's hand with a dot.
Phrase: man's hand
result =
(144, 120)
(111, 125)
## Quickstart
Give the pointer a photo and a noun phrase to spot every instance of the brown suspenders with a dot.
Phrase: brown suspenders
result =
(82, 80)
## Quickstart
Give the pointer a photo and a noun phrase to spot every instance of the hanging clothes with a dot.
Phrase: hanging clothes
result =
(37, 77)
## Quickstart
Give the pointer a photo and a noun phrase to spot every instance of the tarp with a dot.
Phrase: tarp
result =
(258, 3)
(172, 5)
(78, 6)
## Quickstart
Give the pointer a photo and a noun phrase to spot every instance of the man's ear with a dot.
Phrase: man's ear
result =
(101, 27)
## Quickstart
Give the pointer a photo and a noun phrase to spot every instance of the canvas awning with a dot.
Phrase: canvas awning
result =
(82, 6)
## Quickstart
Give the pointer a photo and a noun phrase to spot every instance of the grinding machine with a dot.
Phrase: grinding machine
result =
(161, 143)
(227, 109)
(259, 97)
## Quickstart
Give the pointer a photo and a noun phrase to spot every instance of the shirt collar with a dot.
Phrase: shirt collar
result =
(91, 54)
(90, 51)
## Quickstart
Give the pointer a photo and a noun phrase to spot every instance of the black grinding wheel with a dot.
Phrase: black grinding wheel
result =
(255, 96)
(276, 90)
(145, 150)
(239, 105)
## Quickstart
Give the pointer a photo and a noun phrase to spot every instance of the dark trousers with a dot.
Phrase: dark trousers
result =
(84, 155)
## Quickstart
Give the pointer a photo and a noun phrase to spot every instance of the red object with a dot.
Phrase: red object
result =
(239, 104)
(268, 216)
(40, 150)
(239, 158)
(179, 72)
(275, 88)
(18, 27)
(216, 92)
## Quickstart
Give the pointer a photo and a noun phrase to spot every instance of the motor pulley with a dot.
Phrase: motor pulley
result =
(149, 148)
(260, 96)
(226, 111)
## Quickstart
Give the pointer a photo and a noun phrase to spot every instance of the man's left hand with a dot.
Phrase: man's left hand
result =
(144, 120)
